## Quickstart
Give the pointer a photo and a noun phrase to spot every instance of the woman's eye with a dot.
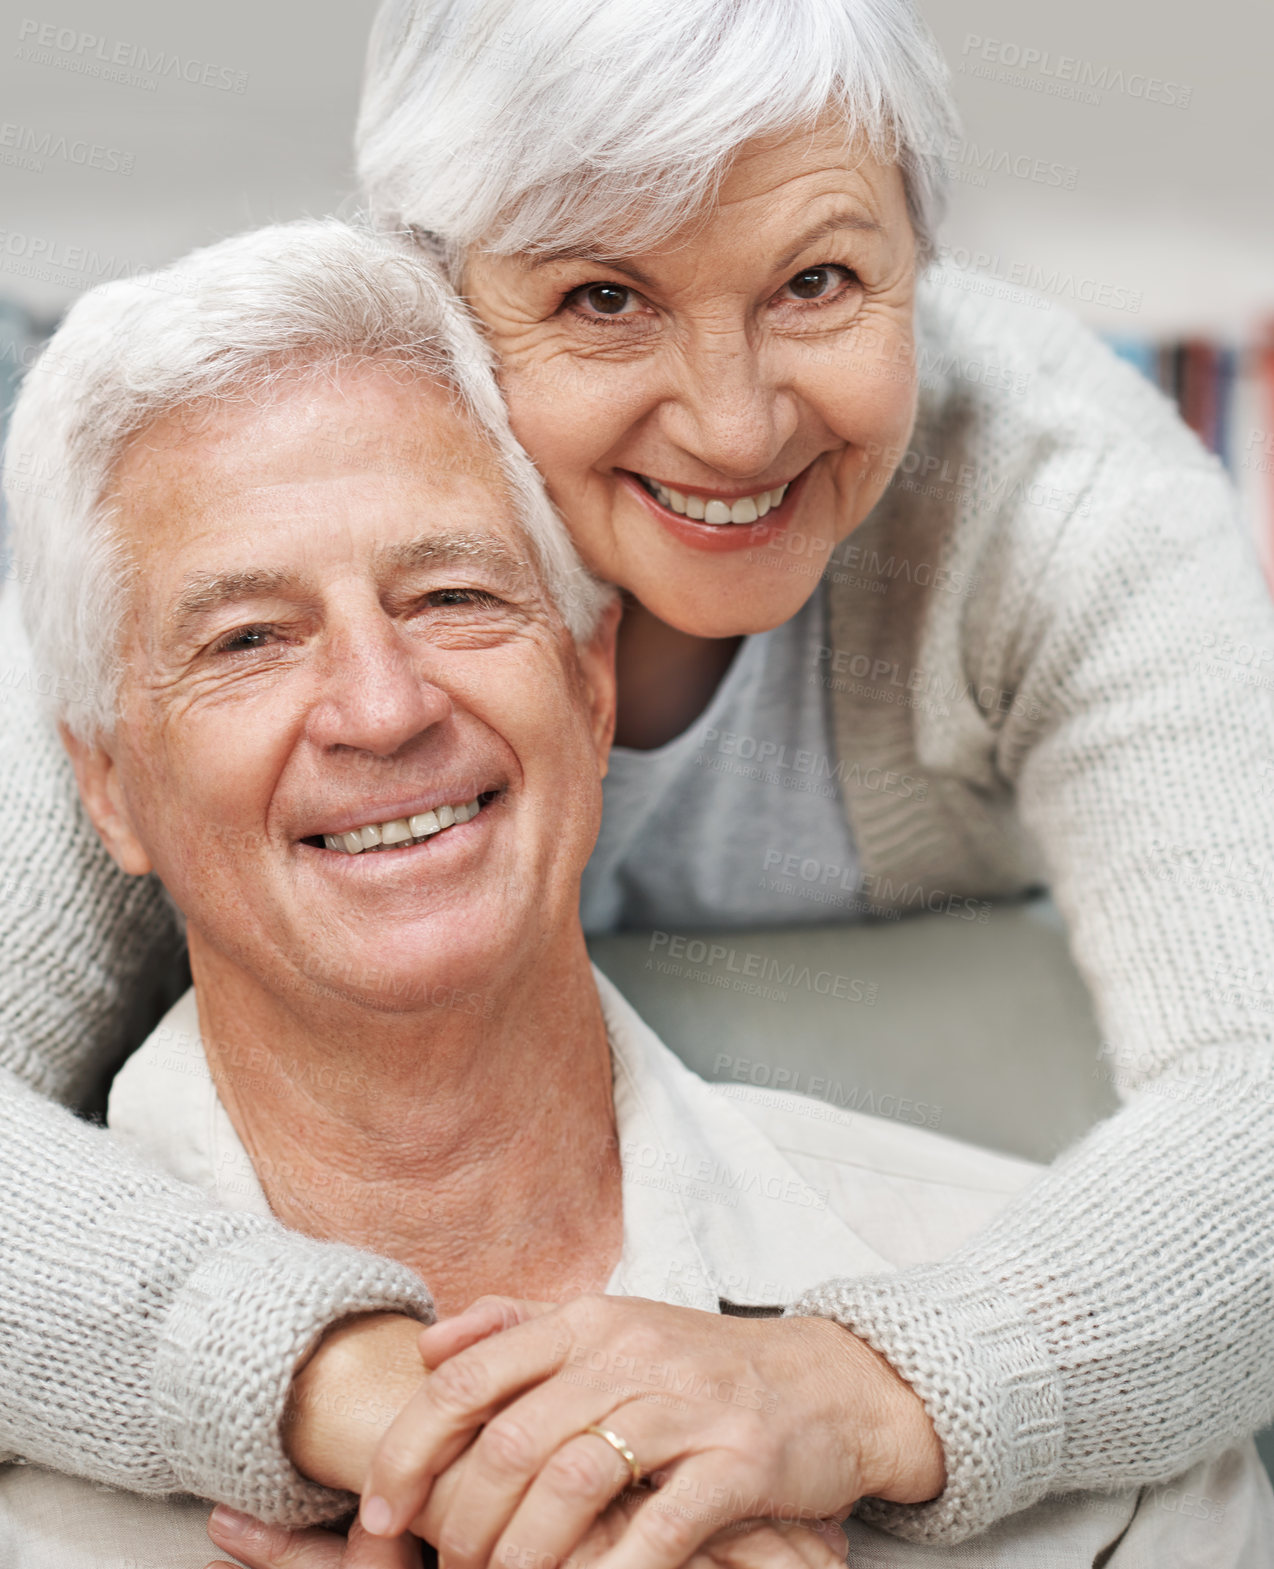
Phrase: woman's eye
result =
(817, 283)
(603, 299)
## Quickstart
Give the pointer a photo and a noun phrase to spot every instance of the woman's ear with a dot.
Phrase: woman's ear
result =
(102, 792)
(597, 662)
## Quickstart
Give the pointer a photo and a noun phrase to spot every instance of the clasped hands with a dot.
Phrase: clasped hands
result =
(753, 1436)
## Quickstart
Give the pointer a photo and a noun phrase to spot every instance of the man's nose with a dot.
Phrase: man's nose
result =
(728, 409)
(375, 695)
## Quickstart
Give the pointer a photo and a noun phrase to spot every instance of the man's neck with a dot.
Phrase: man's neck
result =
(473, 1140)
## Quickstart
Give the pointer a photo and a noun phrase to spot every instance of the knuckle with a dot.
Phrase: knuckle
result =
(590, 1312)
(454, 1547)
(575, 1472)
(496, 1309)
(459, 1386)
(507, 1447)
(669, 1533)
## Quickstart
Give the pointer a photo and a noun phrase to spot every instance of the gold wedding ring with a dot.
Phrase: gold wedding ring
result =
(620, 1448)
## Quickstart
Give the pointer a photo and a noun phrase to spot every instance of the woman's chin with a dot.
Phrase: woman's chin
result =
(707, 605)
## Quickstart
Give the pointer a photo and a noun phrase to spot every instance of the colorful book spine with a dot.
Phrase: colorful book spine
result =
(1226, 396)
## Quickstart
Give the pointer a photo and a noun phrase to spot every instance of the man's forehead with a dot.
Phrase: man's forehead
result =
(308, 431)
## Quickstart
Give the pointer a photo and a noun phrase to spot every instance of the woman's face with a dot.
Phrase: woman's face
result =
(712, 417)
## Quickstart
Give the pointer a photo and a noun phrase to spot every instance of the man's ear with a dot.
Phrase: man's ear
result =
(597, 661)
(102, 792)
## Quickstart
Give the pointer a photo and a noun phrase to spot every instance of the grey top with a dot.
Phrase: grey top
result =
(739, 820)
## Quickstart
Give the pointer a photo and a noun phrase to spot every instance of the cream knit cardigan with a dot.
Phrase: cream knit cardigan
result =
(1074, 655)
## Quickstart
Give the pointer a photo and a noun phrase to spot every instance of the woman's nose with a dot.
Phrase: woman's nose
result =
(374, 695)
(729, 412)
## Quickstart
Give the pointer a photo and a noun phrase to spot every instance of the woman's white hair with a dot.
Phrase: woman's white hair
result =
(228, 323)
(534, 125)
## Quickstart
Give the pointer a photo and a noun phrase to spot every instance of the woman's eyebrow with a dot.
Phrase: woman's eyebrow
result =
(591, 253)
(835, 224)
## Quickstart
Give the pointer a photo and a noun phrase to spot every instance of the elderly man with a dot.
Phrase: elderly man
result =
(325, 664)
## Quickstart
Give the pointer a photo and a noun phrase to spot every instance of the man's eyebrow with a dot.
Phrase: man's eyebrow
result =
(835, 224)
(456, 549)
(205, 591)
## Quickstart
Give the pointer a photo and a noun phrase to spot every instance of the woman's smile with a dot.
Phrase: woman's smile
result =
(717, 520)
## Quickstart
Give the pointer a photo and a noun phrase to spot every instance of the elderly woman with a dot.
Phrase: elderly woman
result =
(965, 561)
(371, 666)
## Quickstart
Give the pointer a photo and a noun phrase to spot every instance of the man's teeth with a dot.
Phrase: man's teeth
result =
(402, 830)
(747, 509)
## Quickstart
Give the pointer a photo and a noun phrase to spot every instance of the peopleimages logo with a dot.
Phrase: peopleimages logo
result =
(1064, 75)
(112, 60)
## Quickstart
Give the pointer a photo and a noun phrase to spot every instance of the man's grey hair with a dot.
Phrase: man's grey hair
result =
(227, 324)
(532, 125)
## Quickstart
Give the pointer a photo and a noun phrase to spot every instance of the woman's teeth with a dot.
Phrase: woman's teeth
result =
(747, 509)
(403, 831)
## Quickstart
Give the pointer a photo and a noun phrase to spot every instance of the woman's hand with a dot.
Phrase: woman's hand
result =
(760, 1545)
(732, 1418)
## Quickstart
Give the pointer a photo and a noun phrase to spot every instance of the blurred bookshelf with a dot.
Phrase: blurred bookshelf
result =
(1225, 393)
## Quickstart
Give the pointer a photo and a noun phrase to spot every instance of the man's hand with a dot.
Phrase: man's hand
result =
(275, 1547)
(733, 1418)
(759, 1545)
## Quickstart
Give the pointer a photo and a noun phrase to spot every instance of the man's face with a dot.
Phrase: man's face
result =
(335, 623)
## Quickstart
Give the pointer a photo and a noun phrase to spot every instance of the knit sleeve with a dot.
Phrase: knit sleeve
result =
(1116, 1322)
(147, 1339)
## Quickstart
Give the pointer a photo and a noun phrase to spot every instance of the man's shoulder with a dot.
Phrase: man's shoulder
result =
(912, 1193)
(885, 1132)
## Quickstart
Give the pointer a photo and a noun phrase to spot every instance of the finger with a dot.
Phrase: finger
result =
(483, 1317)
(380, 1552)
(577, 1485)
(586, 1471)
(262, 1546)
(541, 1429)
(821, 1544)
(829, 1533)
(673, 1523)
(445, 1412)
(766, 1544)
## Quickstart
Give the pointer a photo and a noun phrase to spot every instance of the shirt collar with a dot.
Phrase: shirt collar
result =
(713, 1211)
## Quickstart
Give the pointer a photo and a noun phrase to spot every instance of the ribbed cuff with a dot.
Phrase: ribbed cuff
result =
(236, 1332)
(994, 1397)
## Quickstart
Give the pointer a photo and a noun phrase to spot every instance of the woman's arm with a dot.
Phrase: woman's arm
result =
(1117, 1321)
(148, 1339)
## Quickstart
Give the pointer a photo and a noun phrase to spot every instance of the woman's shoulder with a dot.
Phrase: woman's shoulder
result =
(988, 364)
(1033, 443)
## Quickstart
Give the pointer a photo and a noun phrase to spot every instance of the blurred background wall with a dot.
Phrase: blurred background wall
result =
(1159, 113)
(1116, 160)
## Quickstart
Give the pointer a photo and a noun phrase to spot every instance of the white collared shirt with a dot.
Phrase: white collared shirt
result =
(731, 1196)
(728, 1192)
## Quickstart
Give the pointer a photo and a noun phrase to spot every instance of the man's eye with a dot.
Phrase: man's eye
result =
(603, 299)
(244, 640)
(461, 596)
(817, 283)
